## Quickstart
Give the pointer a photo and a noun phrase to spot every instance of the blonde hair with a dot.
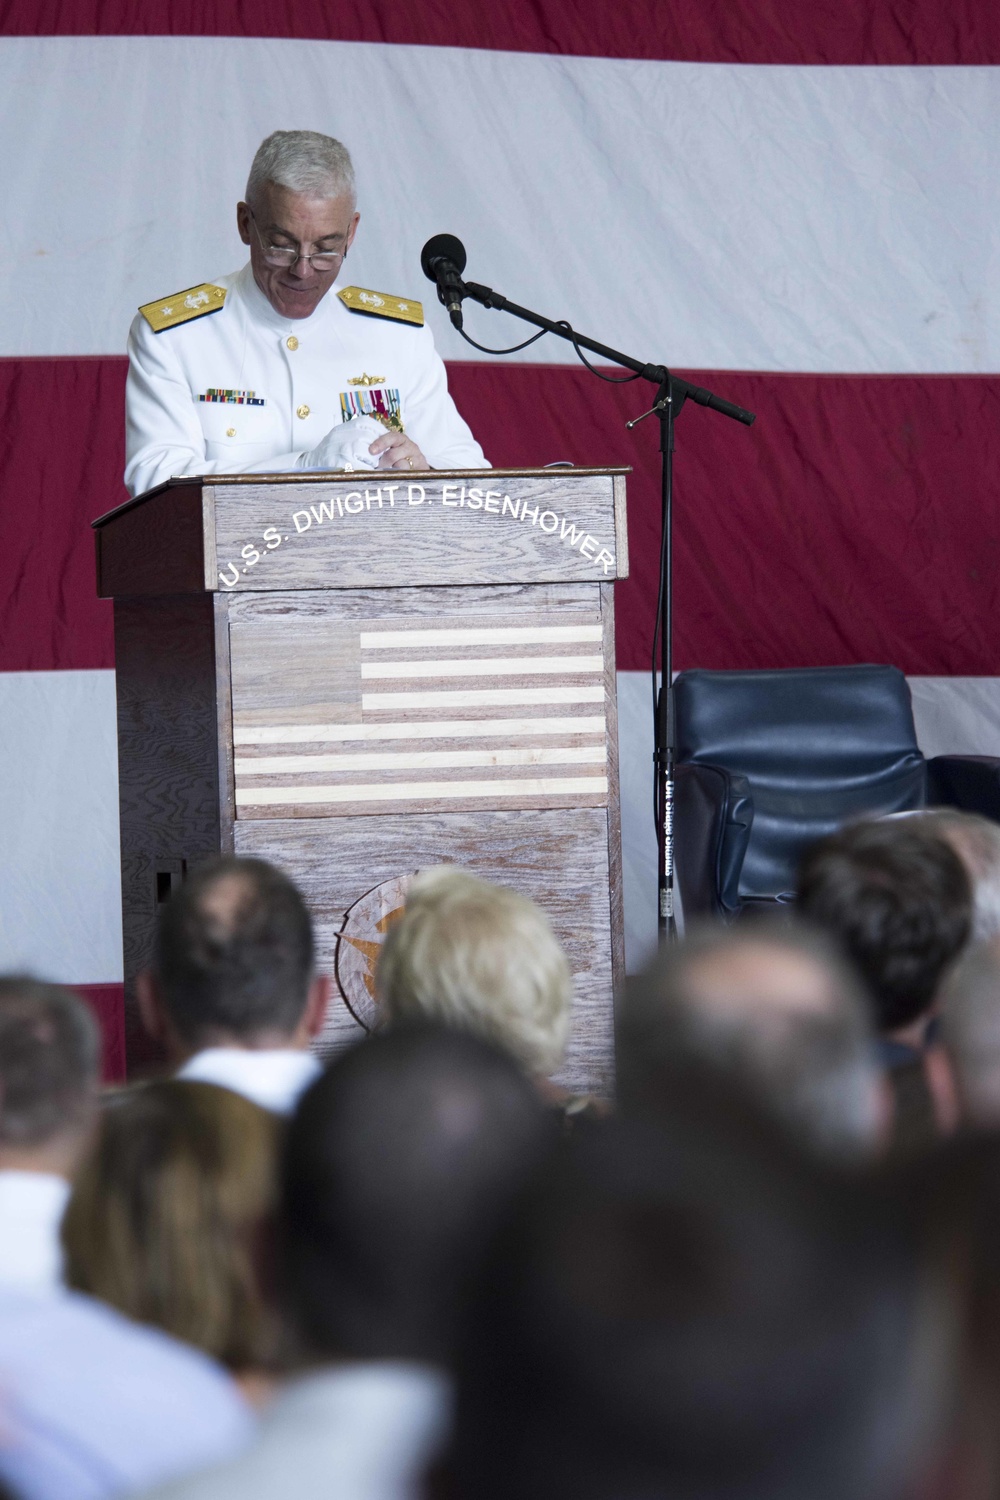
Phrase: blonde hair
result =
(164, 1213)
(482, 958)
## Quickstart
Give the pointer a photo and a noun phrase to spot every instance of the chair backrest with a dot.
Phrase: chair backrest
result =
(819, 746)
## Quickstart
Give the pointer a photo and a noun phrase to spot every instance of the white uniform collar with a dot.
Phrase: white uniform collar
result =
(262, 312)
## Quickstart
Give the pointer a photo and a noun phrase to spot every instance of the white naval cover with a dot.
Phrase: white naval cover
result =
(298, 368)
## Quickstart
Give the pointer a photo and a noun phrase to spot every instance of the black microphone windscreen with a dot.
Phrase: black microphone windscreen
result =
(442, 247)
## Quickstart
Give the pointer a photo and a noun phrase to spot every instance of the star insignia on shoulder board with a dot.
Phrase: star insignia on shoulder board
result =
(359, 299)
(183, 307)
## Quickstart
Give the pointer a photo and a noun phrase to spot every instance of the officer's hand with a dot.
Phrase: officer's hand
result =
(395, 450)
(345, 446)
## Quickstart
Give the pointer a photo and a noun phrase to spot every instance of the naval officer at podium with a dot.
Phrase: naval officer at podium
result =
(262, 371)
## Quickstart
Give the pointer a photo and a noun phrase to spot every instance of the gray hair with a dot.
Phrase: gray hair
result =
(811, 1064)
(976, 841)
(482, 958)
(970, 1029)
(49, 1059)
(304, 162)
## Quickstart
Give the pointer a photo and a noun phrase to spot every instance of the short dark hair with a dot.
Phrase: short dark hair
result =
(898, 900)
(49, 1061)
(691, 1309)
(234, 952)
(399, 1163)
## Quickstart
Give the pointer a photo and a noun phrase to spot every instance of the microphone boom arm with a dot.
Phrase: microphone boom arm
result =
(671, 394)
(682, 390)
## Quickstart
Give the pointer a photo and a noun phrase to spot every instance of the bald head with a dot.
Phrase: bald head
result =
(976, 841)
(771, 1006)
(772, 981)
(233, 955)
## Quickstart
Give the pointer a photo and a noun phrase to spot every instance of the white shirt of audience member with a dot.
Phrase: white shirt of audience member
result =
(274, 1077)
(31, 1208)
(366, 1431)
(93, 1406)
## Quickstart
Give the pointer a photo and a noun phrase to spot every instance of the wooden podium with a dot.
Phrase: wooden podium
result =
(360, 675)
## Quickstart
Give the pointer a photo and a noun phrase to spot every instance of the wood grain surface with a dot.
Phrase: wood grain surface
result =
(344, 655)
(347, 705)
(558, 858)
(169, 739)
(158, 546)
(348, 531)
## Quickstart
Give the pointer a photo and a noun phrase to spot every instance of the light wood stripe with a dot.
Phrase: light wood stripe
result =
(549, 755)
(419, 791)
(481, 698)
(442, 729)
(500, 635)
(497, 666)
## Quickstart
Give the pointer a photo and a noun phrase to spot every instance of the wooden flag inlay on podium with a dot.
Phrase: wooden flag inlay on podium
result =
(421, 717)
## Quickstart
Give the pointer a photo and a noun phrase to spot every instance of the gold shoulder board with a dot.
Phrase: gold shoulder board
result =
(382, 305)
(183, 306)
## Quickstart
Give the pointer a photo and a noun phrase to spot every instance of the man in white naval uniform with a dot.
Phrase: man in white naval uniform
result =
(262, 371)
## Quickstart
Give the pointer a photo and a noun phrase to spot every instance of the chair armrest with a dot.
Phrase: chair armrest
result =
(971, 782)
(713, 814)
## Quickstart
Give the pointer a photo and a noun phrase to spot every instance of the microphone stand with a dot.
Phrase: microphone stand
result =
(671, 394)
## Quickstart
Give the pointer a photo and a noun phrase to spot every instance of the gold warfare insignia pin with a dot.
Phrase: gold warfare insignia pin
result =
(195, 302)
(366, 380)
(382, 305)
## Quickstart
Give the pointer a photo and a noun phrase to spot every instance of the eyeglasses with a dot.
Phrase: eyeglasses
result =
(290, 255)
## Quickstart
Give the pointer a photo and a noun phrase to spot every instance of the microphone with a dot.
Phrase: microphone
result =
(443, 260)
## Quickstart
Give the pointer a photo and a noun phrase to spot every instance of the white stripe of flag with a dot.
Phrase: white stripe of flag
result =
(501, 666)
(438, 729)
(500, 635)
(481, 698)
(417, 760)
(399, 791)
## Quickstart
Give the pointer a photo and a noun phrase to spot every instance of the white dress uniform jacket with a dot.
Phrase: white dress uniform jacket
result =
(294, 371)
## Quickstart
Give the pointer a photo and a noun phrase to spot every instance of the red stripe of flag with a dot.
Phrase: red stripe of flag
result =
(844, 32)
(858, 520)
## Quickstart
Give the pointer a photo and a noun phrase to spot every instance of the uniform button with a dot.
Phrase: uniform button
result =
(302, 411)
(291, 342)
(230, 432)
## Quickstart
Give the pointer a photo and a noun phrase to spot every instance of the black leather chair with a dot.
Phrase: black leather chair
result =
(768, 762)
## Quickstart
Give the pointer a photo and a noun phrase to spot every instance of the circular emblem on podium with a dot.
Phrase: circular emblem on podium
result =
(358, 944)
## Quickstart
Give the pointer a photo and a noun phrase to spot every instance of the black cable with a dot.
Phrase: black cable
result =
(514, 348)
(611, 379)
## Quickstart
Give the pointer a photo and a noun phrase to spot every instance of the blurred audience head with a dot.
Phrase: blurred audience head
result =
(772, 1006)
(168, 1214)
(895, 896)
(49, 1074)
(482, 958)
(399, 1163)
(970, 1031)
(976, 841)
(690, 1307)
(233, 962)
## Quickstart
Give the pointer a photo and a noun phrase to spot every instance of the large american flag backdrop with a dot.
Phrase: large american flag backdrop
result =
(797, 204)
